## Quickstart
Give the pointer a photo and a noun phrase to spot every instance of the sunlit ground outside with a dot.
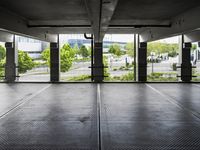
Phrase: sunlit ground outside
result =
(118, 57)
(163, 60)
(32, 66)
(75, 57)
(2, 61)
(195, 61)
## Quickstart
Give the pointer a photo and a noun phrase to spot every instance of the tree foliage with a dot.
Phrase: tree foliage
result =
(25, 62)
(84, 51)
(159, 48)
(46, 56)
(194, 47)
(115, 49)
(2, 52)
(2, 71)
(67, 55)
(129, 47)
(2, 60)
(76, 49)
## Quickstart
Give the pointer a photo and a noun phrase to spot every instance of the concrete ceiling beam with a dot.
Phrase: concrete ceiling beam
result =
(58, 22)
(100, 13)
(108, 9)
(140, 22)
(183, 23)
(93, 8)
(6, 36)
(192, 36)
(15, 24)
(18, 25)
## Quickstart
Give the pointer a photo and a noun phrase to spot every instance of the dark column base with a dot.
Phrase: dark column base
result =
(55, 62)
(186, 66)
(142, 62)
(98, 68)
(10, 67)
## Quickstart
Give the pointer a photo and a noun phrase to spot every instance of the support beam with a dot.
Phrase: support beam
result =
(192, 36)
(6, 37)
(100, 13)
(18, 25)
(11, 61)
(181, 24)
(15, 24)
(135, 57)
(136, 21)
(54, 61)
(94, 8)
(142, 62)
(186, 66)
(98, 63)
(108, 9)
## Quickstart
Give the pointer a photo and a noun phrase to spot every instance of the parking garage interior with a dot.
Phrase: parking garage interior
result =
(102, 111)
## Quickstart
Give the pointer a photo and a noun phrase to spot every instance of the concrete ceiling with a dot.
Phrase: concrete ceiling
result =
(38, 18)
(152, 9)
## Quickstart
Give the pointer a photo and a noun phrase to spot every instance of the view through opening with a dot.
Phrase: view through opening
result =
(32, 63)
(195, 61)
(163, 60)
(118, 57)
(75, 58)
(2, 61)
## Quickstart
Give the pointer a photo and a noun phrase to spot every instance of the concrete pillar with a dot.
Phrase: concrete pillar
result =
(142, 62)
(186, 66)
(10, 67)
(135, 57)
(54, 62)
(98, 62)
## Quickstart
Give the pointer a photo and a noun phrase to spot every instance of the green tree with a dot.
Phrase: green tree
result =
(194, 47)
(129, 47)
(115, 49)
(67, 55)
(2, 52)
(160, 48)
(25, 62)
(2, 70)
(76, 49)
(84, 51)
(46, 56)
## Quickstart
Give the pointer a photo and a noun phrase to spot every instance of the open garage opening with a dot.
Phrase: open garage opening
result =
(118, 57)
(33, 62)
(2, 61)
(163, 60)
(75, 58)
(195, 61)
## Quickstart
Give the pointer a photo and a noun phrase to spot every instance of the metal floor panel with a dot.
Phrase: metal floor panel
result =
(135, 117)
(61, 117)
(12, 94)
(132, 117)
(186, 95)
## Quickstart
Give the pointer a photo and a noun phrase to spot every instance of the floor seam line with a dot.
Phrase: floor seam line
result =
(23, 102)
(172, 101)
(99, 117)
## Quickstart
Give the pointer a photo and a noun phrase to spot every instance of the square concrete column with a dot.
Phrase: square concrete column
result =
(186, 66)
(142, 62)
(54, 62)
(98, 68)
(10, 67)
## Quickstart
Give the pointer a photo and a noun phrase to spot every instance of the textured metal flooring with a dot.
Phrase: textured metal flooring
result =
(103, 116)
